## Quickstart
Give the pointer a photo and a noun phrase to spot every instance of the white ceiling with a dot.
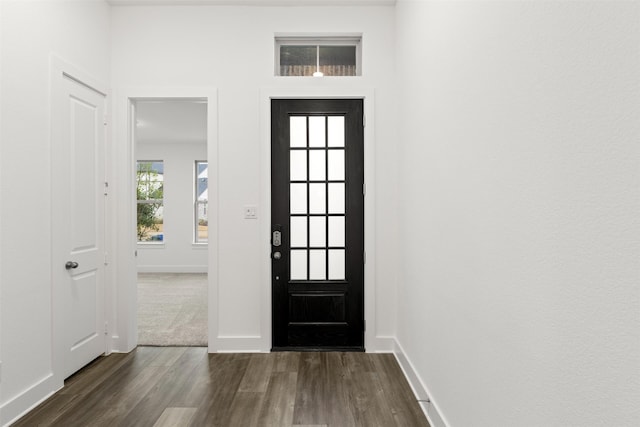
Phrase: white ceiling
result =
(171, 121)
(255, 2)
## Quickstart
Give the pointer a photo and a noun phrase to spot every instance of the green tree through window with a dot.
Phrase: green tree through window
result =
(150, 195)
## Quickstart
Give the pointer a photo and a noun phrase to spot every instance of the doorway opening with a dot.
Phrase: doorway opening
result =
(170, 140)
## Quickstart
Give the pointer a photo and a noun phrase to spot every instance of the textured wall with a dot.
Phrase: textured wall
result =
(519, 302)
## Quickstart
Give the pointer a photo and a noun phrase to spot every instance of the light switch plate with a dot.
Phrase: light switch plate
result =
(250, 212)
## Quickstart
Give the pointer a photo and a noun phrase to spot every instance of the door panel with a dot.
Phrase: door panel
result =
(78, 197)
(318, 210)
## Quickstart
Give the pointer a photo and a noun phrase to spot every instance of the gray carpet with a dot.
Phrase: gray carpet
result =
(172, 309)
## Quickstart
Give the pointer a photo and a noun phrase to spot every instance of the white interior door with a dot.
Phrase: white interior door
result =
(78, 156)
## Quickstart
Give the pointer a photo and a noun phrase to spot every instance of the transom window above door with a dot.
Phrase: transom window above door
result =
(318, 56)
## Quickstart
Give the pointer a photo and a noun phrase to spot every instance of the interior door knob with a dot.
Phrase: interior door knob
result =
(71, 264)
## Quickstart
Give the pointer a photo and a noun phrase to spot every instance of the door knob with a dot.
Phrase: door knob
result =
(71, 264)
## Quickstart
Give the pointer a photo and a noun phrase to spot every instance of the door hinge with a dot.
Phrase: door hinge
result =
(364, 120)
(364, 189)
(106, 259)
(106, 188)
(364, 256)
(365, 325)
(106, 328)
(105, 120)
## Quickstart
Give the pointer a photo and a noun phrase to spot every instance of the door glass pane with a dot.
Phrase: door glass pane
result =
(336, 231)
(298, 163)
(336, 131)
(298, 198)
(336, 165)
(336, 198)
(336, 264)
(298, 131)
(317, 131)
(298, 231)
(317, 265)
(318, 198)
(318, 231)
(317, 165)
(299, 264)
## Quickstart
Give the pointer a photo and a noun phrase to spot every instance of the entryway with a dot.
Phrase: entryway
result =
(172, 210)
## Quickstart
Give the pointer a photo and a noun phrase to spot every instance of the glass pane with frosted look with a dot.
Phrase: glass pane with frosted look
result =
(336, 131)
(297, 131)
(298, 231)
(336, 165)
(338, 60)
(336, 198)
(318, 198)
(336, 231)
(298, 60)
(317, 264)
(317, 165)
(298, 165)
(317, 131)
(318, 231)
(298, 264)
(336, 264)
(298, 198)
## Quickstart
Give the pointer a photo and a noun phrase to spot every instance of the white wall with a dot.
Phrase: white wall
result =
(177, 253)
(519, 210)
(79, 33)
(232, 49)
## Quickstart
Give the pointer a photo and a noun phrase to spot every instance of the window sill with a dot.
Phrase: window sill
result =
(150, 245)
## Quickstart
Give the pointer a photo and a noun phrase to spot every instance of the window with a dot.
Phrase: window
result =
(201, 202)
(318, 56)
(150, 195)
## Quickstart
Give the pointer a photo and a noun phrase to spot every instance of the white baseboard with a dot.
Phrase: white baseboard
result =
(381, 345)
(172, 269)
(18, 406)
(427, 403)
(237, 344)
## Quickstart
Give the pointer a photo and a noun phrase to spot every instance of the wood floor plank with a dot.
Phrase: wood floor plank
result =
(170, 384)
(339, 411)
(226, 372)
(49, 412)
(311, 406)
(279, 400)
(286, 361)
(243, 409)
(398, 394)
(367, 401)
(157, 387)
(175, 417)
(256, 377)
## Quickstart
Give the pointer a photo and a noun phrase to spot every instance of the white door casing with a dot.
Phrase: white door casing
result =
(78, 215)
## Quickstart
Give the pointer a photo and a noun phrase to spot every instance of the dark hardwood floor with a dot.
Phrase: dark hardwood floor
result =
(185, 386)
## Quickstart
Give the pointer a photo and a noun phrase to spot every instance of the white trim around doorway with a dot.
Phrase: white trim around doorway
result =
(123, 299)
(373, 343)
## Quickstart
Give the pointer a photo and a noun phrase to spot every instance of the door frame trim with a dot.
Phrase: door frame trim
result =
(371, 342)
(124, 333)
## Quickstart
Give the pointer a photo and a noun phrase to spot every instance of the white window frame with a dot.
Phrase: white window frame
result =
(318, 40)
(197, 203)
(151, 201)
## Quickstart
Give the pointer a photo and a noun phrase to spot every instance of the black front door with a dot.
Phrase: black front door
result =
(317, 216)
